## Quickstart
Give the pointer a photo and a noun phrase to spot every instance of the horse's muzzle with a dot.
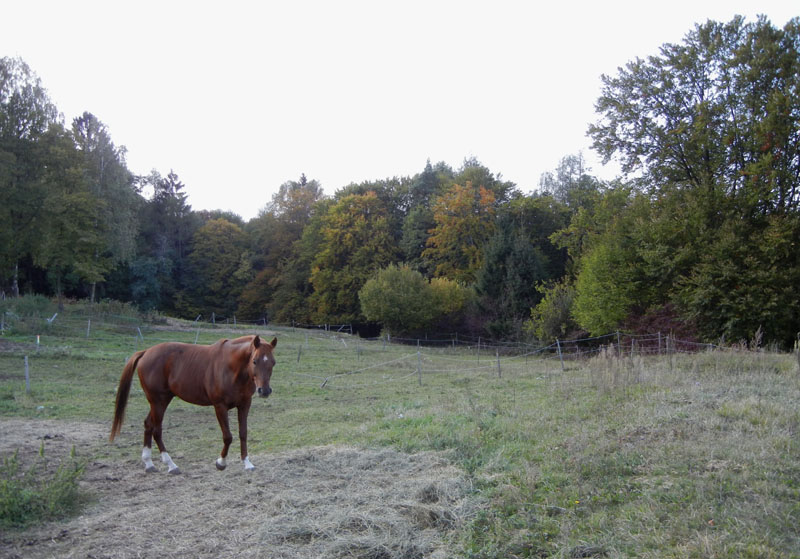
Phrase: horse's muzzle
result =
(264, 392)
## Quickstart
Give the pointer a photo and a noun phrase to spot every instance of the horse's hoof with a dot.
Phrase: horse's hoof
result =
(219, 466)
(150, 469)
(175, 471)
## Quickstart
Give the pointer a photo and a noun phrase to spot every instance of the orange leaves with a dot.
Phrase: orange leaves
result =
(464, 217)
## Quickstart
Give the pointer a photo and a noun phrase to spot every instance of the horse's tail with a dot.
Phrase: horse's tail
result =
(122, 393)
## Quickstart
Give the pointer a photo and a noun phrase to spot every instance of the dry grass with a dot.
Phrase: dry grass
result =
(329, 501)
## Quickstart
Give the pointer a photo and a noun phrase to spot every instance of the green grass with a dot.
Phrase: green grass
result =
(693, 456)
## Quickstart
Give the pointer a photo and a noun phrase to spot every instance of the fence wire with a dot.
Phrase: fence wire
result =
(328, 356)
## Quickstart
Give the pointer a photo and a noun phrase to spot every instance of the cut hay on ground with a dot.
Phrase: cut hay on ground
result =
(333, 502)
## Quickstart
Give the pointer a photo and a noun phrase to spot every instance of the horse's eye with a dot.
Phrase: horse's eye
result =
(255, 361)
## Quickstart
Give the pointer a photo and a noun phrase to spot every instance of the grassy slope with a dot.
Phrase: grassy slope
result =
(697, 456)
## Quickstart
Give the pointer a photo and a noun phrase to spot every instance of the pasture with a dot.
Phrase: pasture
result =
(375, 450)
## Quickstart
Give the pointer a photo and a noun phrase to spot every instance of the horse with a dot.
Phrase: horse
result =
(225, 375)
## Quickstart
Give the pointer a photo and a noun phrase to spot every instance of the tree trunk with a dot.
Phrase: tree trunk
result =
(15, 281)
(58, 292)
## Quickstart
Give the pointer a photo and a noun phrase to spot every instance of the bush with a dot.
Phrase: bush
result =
(398, 297)
(552, 317)
(28, 305)
(36, 495)
(405, 302)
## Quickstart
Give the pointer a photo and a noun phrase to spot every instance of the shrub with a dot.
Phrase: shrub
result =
(28, 305)
(404, 301)
(552, 317)
(35, 495)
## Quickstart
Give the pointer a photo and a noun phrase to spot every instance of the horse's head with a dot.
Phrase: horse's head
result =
(263, 361)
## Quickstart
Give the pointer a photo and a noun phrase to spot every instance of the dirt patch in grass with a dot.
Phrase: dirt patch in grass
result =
(313, 502)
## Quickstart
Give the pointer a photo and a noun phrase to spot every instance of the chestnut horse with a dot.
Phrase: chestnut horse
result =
(224, 375)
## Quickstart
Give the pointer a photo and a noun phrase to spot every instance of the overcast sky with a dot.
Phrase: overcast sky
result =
(240, 97)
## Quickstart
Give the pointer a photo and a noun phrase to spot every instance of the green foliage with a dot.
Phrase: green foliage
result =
(405, 302)
(709, 125)
(145, 285)
(507, 281)
(450, 298)
(416, 227)
(111, 185)
(69, 240)
(291, 301)
(608, 286)
(276, 229)
(464, 217)
(215, 263)
(167, 226)
(256, 296)
(518, 257)
(711, 113)
(37, 494)
(571, 183)
(552, 318)
(747, 281)
(399, 298)
(356, 241)
(27, 110)
(28, 305)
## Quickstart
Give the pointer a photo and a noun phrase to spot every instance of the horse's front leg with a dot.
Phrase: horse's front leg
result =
(222, 416)
(243, 410)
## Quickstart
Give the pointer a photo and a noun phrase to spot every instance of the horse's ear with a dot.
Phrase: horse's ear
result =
(274, 342)
(256, 342)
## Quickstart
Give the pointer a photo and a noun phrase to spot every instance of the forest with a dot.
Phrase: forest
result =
(699, 235)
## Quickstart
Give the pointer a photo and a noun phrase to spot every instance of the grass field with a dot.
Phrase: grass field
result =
(691, 455)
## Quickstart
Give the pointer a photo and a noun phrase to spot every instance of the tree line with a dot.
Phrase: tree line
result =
(699, 235)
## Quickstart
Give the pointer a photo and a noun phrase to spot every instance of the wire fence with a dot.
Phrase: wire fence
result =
(329, 356)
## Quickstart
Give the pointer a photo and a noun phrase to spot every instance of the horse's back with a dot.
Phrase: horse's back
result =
(181, 369)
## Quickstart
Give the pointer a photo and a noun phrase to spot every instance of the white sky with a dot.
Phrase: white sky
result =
(239, 97)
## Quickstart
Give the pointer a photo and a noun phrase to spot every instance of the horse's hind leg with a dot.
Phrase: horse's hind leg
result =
(147, 453)
(227, 437)
(152, 430)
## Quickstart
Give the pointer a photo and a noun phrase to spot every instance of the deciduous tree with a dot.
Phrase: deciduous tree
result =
(357, 240)
(464, 217)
